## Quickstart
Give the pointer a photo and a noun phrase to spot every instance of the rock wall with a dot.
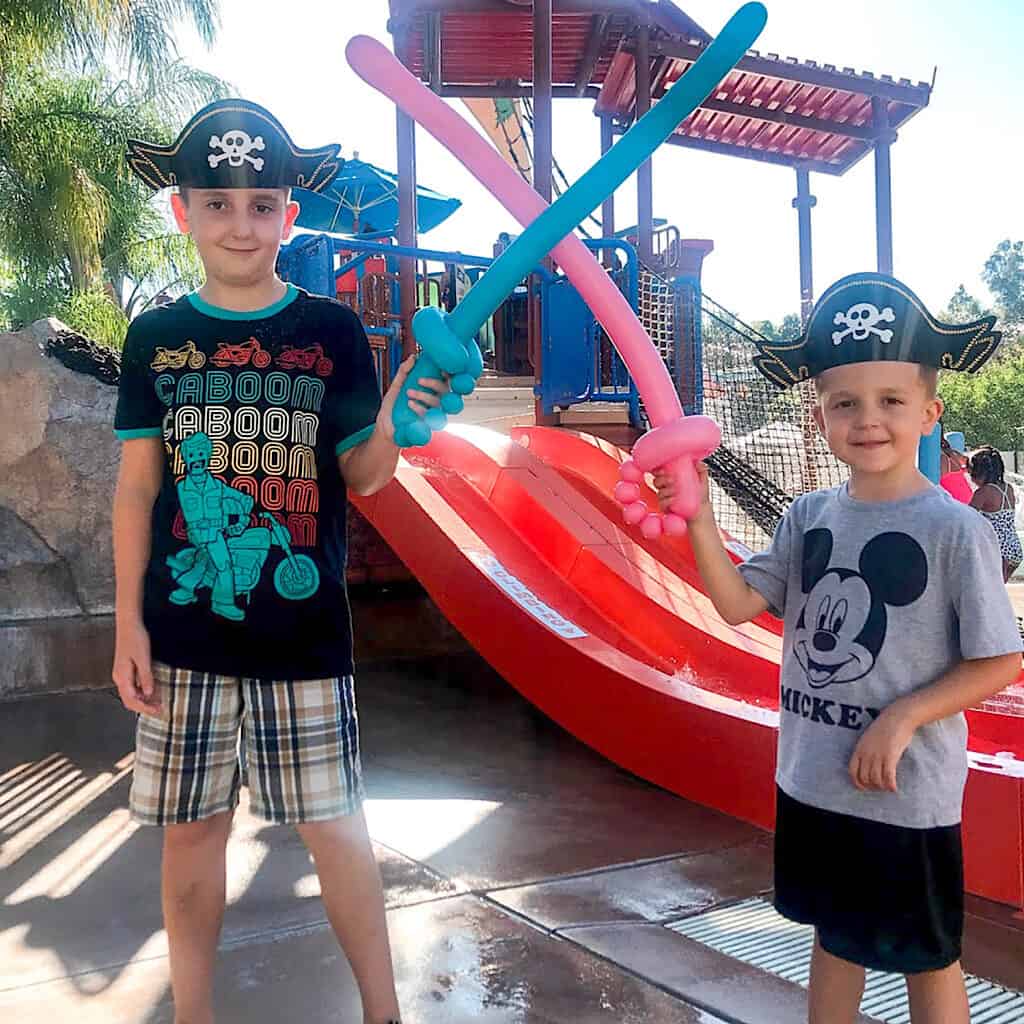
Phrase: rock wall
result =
(58, 464)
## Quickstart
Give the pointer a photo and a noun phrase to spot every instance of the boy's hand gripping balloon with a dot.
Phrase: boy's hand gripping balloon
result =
(443, 351)
(675, 441)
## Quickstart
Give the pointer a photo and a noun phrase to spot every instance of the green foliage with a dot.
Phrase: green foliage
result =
(1004, 276)
(736, 393)
(68, 200)
(6, 284)
(95, 317)
(790, 326)
(168, 262)
(79, 236)
(22, 301)
(988, 406)
(788, 329)
(73, 219)
(92, 313)
(92, 33)
(963, 307)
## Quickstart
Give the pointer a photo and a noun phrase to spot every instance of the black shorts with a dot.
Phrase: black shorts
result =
(883, 896)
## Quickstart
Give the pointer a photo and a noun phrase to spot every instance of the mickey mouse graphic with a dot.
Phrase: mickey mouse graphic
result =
(842, 625)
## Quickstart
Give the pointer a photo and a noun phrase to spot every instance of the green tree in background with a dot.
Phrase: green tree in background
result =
(79, 236)
(788, 329)
(963, 307)
(988, 406)
(1004, 276)
(76, 34)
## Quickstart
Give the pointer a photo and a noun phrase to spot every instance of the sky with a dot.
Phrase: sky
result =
(957, 166)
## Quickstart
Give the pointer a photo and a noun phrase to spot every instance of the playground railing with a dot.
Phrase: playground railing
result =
(579, 363)
(612, 381)
(666, 243)
(317, 262)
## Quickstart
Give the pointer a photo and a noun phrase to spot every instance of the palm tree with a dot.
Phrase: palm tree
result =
(73, 220)
(137, 33)
(67, 197)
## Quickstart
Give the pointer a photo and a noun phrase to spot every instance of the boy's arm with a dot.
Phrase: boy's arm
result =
(874, 761)
(138, 484)
(734, 599)
(370, 465)
(989, 652)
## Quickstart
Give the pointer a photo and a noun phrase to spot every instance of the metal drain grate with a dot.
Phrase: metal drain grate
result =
(753, 932)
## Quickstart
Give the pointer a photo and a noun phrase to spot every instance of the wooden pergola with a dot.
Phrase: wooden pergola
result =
(624, 55)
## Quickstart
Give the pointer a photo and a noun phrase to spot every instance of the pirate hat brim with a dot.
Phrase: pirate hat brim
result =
(215, 150)
(312, 169)
(916, 336)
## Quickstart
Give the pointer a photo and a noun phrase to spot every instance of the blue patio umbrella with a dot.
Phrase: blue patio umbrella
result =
(363, 199)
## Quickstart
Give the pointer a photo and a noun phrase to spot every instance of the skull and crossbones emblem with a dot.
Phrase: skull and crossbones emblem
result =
(236, 146)
(860, 321)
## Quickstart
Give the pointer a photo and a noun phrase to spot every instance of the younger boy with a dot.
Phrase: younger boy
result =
(245, 409)
(894, 623)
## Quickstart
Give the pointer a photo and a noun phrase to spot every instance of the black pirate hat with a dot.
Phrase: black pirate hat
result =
(234, 144)
(867, 317)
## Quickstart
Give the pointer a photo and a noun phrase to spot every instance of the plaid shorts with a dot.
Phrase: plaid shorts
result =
(301, 749)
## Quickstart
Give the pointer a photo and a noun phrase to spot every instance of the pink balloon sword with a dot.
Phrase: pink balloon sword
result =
(675, 441)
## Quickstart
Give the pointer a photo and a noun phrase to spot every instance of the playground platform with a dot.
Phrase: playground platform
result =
(528, 879)
(504, 403)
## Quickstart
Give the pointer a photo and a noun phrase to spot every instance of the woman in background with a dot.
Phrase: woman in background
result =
(995, 500)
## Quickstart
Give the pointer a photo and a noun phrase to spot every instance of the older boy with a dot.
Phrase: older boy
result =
(245, 409)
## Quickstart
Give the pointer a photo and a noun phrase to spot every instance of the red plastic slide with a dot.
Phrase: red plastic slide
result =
(522, 547)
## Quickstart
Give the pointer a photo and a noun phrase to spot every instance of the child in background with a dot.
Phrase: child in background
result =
(953, 475)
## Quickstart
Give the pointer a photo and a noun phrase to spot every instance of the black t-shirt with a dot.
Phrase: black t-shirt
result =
(247, 572)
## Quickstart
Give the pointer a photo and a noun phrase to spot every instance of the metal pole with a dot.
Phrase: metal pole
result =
(432, 50)
(929, 454)
(885, 137)
(406, 138)
(542, 176)
(608, 206)
(804, 203)
(644, 179)
(542, 98)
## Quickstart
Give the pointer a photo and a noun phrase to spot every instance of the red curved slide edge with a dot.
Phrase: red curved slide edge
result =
(625, 652)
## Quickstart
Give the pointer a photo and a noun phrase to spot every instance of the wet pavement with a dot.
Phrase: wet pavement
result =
(527, 879)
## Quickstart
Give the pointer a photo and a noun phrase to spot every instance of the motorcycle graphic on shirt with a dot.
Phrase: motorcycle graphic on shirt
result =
(227, 553)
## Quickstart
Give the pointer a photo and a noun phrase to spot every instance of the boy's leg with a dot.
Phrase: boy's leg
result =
(354, 899)
(302, 743)
(193, 892)
(836, 988)
(186, 781)
(938, 997)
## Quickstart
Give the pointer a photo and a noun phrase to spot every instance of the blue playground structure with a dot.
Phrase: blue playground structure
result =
(579, 363)
(580, 366)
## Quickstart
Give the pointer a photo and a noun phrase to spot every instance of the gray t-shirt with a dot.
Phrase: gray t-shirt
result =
(878, 600)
